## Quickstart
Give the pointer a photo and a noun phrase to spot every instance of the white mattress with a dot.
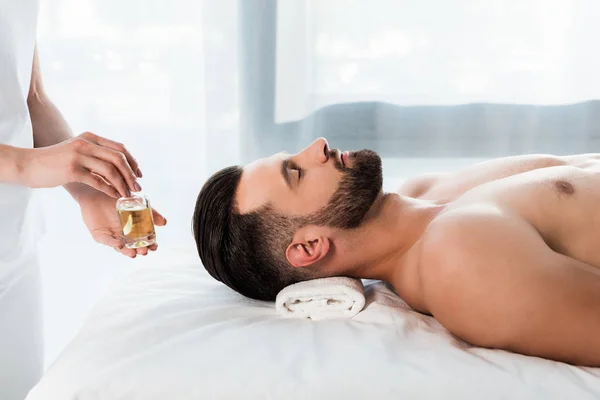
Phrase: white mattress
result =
(167, 330)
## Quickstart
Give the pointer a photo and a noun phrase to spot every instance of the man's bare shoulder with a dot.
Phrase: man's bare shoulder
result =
(460, 249)
(454, 231)
(488, 276)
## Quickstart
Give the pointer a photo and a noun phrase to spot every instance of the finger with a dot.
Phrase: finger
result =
(89, 178)
(117, 147)
(153, 247)
(120, 162)
(159, 220)
(142, 251)
(109, 241)
(108, 172)
(128, 252)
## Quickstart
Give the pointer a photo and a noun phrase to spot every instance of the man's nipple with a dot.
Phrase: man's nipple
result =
(564, 187)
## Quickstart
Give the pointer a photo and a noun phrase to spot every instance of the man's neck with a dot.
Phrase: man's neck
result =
(379, 247)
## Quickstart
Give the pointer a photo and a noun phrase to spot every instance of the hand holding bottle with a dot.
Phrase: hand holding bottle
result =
(90, 159)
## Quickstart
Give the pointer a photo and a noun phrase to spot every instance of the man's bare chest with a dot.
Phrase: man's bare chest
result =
(562, 203)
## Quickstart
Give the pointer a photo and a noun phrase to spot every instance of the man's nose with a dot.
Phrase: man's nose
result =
(317, 151)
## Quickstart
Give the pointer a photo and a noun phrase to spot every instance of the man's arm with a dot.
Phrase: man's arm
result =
(491, 280)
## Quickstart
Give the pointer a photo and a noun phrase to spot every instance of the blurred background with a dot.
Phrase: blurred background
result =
(192, 86)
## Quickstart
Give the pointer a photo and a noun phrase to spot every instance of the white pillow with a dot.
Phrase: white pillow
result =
(169, 331)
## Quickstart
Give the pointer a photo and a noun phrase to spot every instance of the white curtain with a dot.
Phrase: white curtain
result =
(191, 86)
(434, 52)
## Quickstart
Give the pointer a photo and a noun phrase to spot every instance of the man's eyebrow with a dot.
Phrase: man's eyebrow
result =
(285, 164)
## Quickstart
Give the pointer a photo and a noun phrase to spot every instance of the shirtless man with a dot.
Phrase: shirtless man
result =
(505, 254)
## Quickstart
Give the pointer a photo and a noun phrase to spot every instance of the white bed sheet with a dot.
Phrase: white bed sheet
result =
(167, 330)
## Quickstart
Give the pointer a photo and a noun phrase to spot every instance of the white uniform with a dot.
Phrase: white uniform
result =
(21, 344)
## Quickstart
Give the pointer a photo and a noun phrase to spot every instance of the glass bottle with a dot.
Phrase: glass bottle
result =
(137, 223)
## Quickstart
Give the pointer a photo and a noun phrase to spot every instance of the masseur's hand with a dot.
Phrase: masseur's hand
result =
(100, 217)
(90, 159)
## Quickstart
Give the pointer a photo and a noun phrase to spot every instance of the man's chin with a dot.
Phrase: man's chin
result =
(374, 209)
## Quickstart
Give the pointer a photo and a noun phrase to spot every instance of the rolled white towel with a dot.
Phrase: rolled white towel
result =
(325, 298)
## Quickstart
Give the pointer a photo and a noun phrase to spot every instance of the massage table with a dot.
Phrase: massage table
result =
(166, 330)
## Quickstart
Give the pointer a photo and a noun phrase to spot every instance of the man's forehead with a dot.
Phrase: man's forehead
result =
(257, 183)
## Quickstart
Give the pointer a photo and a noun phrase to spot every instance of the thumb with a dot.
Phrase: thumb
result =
(109, 241)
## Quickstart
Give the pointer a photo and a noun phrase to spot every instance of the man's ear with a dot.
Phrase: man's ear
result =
(308, 248)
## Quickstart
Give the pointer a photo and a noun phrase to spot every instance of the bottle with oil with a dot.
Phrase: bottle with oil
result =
(137, 223)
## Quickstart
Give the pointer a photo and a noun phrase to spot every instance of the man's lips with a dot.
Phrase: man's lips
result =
(342, 158)
(345, 158)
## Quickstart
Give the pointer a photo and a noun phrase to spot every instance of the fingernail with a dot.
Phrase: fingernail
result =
(137, 187)
(139, 173)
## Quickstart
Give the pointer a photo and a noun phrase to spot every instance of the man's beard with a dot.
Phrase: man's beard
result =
(357, 191)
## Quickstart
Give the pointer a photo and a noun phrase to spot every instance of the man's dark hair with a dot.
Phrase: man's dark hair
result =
(244, 251)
